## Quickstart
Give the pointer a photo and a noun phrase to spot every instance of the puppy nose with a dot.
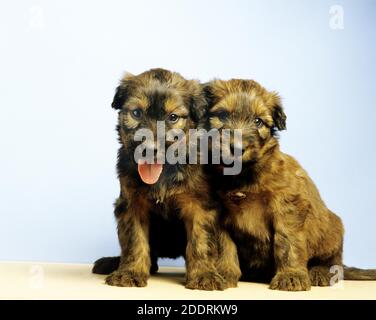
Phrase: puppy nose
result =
(236, 149)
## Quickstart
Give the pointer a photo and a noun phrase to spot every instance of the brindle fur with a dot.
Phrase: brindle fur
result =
(182, 192)
(283, 230)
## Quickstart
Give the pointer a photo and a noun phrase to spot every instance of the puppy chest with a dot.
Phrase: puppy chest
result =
(253, 252)
(249, 215)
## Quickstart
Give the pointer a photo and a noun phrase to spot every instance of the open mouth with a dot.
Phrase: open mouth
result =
(149, 173)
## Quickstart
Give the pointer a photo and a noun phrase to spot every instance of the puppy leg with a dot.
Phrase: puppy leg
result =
(228, 262)
(320, 272)
(331, 245)
(290, 256)
(202, 246)
(135, 262)
(320, 275)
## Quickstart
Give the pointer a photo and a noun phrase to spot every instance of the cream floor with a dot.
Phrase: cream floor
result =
(75, 281)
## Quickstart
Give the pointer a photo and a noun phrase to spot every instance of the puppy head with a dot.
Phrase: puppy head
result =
(245, 105)
(152, 97)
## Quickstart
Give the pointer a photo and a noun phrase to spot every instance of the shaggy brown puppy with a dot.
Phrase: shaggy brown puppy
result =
(281, 226)
(154, 192)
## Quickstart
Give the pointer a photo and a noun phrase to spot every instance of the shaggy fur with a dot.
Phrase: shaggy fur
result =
(177, 215)
(284, 232)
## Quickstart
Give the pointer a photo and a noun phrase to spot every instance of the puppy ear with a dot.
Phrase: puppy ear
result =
(195, 99)
(119, 98)
(198, 107)
(279, 117)
(209, 94)
(122, 91)
(214, 91)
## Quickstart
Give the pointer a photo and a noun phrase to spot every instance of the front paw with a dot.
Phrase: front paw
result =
(291, 281)
(206, 281)
(127, 279)
(231, 279)
(320, 276)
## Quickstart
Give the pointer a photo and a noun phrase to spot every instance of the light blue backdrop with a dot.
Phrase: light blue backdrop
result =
(61, 60)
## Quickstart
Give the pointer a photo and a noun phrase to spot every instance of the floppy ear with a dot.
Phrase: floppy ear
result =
(120, 97)
(198, 107)
(122, 91)
(209, 94)
(279, 117)
(195, 99)
(214, 91)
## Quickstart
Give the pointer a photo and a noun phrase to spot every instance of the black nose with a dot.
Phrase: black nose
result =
(236, 149)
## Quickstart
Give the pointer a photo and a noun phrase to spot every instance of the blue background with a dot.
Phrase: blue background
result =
(61, 60)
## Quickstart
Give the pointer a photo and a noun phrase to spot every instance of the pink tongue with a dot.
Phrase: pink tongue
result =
(150, 173)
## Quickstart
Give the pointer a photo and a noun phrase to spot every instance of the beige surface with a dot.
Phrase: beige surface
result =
(74, 281)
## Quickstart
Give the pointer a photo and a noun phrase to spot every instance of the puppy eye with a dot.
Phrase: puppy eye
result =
(259, 123)
(136, 113)
(173, 118)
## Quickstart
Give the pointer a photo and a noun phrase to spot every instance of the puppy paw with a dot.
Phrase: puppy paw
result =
(127, 279)
(320, 276)
(206, 281)
(230, 279)
(291, 281)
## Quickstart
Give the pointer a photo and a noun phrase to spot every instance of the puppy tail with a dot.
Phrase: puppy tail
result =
(359, 274)
(106, 265)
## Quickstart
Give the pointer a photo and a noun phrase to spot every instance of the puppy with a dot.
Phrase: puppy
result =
(153, 193)
(282, 228)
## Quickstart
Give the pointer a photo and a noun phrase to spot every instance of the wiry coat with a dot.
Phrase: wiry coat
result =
(283, 230)
(177, 215)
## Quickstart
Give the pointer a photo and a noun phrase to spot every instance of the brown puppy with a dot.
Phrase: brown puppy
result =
(172, 191)
(282, 228)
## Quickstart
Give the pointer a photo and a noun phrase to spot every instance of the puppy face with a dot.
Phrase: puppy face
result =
(155, 96)
(245, 105)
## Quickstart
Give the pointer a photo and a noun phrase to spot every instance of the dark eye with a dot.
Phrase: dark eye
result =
(259, 123)
(173, 118)
(136, 113)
